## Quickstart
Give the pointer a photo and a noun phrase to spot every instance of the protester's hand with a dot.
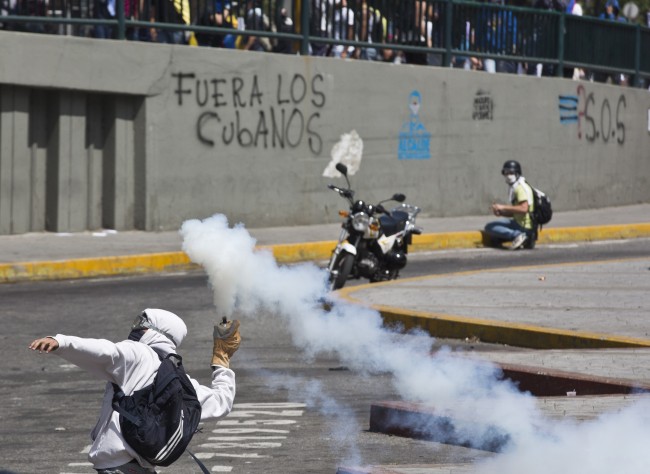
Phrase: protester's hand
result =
(44, 344)
(226, 342)
(496, 209)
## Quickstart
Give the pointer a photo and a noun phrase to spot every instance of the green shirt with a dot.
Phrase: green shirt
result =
(523, 192)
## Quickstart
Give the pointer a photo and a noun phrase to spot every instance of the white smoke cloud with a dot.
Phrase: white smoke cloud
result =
(244, 279)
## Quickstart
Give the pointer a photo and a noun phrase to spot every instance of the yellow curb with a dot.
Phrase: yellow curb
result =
(285, 253)
(301, 252)
(590, 233)
(94, 267)
(450, 326)
(513, 334)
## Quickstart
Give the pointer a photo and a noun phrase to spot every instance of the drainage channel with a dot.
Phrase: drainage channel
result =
(424, 422)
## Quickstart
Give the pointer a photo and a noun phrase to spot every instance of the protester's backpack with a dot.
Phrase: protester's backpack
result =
(542, 210)
(158, 421)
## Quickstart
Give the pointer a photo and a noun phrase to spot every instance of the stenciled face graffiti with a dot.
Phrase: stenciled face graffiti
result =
(414, 140)
(238, 111)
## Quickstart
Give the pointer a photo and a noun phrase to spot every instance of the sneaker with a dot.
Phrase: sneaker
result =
(519, 241)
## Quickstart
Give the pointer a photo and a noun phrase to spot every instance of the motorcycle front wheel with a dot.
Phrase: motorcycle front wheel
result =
(343, 267)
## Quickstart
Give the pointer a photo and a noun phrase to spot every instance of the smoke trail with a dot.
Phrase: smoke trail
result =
(343, 426)
(246, 280)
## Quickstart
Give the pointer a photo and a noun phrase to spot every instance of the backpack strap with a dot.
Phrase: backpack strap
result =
(198, 461)
(118, 395)
(174, 359)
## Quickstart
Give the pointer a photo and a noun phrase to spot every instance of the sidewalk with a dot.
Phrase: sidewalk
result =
(47, 256)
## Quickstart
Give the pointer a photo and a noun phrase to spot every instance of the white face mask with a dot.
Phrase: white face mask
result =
(511, 178)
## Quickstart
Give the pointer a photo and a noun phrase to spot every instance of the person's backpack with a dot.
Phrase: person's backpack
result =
(158, 421)
(542, 211)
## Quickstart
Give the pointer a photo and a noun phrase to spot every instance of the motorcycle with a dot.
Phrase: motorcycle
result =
(374, 242)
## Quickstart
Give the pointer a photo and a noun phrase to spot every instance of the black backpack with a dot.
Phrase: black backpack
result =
(542, 212)
(158, 421)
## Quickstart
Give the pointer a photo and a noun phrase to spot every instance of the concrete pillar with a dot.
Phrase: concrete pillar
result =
(67, 172)
(119, 165)
(15, 161)
(140, 169)
(94, 154)
(38, 135)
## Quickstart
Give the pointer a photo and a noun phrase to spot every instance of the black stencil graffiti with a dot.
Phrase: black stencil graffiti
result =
(483, 106)
(604, 122)
(237, 111)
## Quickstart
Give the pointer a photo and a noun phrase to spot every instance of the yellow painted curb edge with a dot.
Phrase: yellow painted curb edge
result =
(498, 332)
(513, 334)
(285, 253)
(94, 267)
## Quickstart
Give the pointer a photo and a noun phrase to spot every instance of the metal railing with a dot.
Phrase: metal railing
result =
(436, 32)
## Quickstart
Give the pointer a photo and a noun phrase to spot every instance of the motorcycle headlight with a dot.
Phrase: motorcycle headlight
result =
(360, 221)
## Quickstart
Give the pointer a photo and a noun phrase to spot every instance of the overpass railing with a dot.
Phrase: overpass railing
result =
(425, 31)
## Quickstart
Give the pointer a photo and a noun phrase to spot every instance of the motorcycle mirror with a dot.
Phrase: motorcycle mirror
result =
(341, 168)
(399, 197)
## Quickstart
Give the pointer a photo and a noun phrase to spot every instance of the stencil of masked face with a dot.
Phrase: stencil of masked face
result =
(414, 103)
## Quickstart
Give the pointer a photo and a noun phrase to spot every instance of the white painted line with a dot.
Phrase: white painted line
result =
(221, 468)
(247, 430)
(241, 438)
(236, 406)
(256, 422)
(225, 445)
(250, 413)
(230, 455)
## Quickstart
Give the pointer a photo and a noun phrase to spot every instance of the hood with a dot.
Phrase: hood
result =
(168, 322)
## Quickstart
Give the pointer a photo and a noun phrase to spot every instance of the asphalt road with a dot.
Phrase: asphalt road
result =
(294, 412)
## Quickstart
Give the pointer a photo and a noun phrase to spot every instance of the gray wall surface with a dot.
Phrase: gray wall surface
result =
(126, 135)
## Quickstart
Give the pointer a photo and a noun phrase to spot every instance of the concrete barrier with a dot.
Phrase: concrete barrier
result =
(127, 135)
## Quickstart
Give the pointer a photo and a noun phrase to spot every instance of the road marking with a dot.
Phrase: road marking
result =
(247, 428)
(269, 405)
(230, 455)
(241, 438)
(256, 422)
(260, 445)
(250, 413)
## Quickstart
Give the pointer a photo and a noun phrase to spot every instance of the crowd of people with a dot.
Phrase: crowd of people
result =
(377, 23)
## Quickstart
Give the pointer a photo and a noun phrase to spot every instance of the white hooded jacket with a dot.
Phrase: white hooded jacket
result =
(133, 365)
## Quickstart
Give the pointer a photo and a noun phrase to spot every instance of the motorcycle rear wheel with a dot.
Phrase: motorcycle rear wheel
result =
(343, 267)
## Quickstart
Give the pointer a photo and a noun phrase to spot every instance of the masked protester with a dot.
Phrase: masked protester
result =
(132, 365)
(517, 227)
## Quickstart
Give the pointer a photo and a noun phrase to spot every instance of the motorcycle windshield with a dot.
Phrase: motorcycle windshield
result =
(392, 224)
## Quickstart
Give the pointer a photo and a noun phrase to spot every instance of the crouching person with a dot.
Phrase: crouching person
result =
(130, 368)
(516, 223)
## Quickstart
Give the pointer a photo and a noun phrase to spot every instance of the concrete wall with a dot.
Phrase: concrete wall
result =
(132, 135)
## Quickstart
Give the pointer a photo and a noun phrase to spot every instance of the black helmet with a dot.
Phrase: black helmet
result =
(511, 166)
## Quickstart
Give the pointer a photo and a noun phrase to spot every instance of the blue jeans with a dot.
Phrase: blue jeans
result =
(505, 230)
